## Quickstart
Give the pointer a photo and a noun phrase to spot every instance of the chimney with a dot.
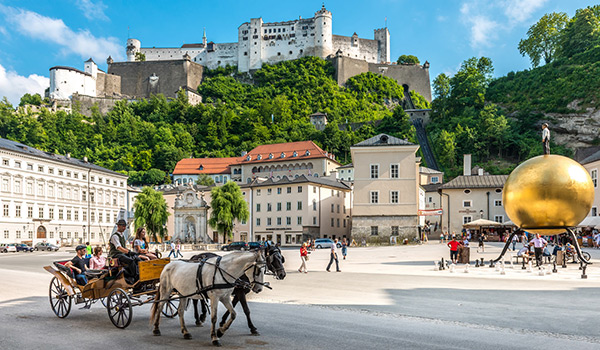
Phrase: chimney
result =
(68, 156)
(467, 165)
(244, 153)
(480, 171)
(85, 159)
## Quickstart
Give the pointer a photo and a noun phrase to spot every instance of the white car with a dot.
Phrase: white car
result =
(5, 248)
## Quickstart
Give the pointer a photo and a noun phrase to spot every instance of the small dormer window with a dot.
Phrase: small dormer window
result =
(248, 158)
(201, 167)
(307, 153)
(295, 154)
(282, 155)
(259, 157)
(270, 155)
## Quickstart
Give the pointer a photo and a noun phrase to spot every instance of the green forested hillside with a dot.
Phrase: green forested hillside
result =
(147, 138)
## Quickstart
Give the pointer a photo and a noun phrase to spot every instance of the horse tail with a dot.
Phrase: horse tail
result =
(154, 308)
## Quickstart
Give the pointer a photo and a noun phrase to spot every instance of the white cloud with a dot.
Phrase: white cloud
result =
(92, 11)
(13, 85)
(80, 42)
(487, 20)
(519, 11)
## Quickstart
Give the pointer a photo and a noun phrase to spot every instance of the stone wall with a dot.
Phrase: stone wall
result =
(415, 76)
(142, 79)
(108, 85)
(361, 228)
(365, 49)
(85, 103)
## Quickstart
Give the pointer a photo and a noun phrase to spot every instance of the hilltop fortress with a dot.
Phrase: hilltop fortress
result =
(166, 70)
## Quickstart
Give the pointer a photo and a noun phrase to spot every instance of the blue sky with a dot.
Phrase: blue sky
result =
(36, 35)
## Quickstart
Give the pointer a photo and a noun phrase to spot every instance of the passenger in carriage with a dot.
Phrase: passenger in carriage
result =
(97, 262)
(78, 265)
(141, 245)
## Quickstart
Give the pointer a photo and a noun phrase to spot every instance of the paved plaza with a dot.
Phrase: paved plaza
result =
(385, 297)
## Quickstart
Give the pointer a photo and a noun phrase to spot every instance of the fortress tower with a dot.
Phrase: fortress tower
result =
(323, 33)
(133, 46)
(383, 38)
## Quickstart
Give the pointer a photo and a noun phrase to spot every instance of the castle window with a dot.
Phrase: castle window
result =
(270, 155)
(295, 154)
(269, 30)
(265, 31)
(284, 30)
(279, 54)
(279, 30)
(245, 53)
(292, 29)
(290, 52)
(307, 153)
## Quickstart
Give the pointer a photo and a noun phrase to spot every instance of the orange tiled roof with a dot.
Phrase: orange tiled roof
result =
(205, 165)
(273, 152)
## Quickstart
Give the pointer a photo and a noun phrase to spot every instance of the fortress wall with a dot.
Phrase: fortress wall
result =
(136, 82)
(223, 55)
(366, 49)
(108, 84)
(346, 67)
(415, 76)
(85, 103)
(194, 74)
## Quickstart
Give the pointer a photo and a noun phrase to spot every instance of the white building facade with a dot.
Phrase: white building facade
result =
(262, 42)
(57, 199)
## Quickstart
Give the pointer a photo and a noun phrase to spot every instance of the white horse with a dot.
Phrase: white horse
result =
(219, 276)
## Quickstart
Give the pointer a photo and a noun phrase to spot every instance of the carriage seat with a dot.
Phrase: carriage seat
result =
(60, 265)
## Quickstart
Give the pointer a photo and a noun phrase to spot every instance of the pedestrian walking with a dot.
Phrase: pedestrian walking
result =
(334, 257)
(303, 257)
(453, 245)
(481, 246)
(178, 249)
(88, 250)
(538, 247)
(172, 250)
(344, 249)
(546, 138)
(514, 241)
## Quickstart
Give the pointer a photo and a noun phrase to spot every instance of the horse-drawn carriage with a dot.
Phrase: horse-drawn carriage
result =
(110, 287)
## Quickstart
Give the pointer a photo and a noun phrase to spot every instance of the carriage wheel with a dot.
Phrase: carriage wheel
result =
(103, 301)
(170, 308)
(119, 308)
(60, 300)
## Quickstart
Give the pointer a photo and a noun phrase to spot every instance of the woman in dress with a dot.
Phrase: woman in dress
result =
(344, 248)
(97, 261)
(141, 245)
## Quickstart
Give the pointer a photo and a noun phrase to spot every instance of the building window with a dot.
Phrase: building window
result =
(314, 190)
(51, 213)
(17, 186)
(338, 222)
(594, 211)
(314, 204)
(18, 234)
(374, 171)
(41, 213)
(17, 165)
(338, 208)
(467, 219)
(258, 192)
(498, 203)
(278, 206)
(499, 218)
(29, 212)
(594, 175)
(394, 230)
(30, 235)
(467, 204)
(299, 220)
(51, 191)
(77, 216)
(257, 221)
(314, 220)
(299, 189)
(100, 217)
(269, 222)
(6, 234)
(5, 210)
(394, 197)
(374, 230)
(435, 179)
(394, 171)
(60, 214)
(289, 190)
(5, 162)
(18, 210)
(299, 205)
(288, 206)
(29, 187)
(5, 185)
(288, 220)
(332, 222)
(258, 207)
(333, 208)
(84, 215)
(51, 171)
(278, 221)
(29, 166)
(269, 207)
(374, 197)
(60, 172)
(278, 190)
(269, 191)
(69, 214)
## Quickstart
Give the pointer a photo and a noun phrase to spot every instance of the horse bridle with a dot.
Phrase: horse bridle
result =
(258, 266)
(270, 252)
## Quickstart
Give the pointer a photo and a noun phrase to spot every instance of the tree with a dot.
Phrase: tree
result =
(582, 32)
(140, 57)
(408, 59)
(205, 180)
(228, 205)
(29, 99)
(150, 210)
(543, 38)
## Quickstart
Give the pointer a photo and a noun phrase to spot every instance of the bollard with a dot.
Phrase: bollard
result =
(502, 272)
(476, 263)
(542, 271)
(443, 266)
(452, 268)
(583, 275)
(523, 268)
(530, 266)
(564, 261)
(436, 266)
(481, 264)
(554, 270)
(492, 263)
(467, 268)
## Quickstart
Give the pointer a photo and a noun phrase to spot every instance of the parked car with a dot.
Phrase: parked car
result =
(22, 247)
(236, 246)
(5, 248)
(255, 245)
(45, 246)
(325, 243)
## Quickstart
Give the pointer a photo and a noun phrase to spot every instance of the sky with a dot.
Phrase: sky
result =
(36, 35)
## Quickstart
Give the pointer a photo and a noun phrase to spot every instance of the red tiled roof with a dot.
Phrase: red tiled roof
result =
(205, 165)
(300, 147)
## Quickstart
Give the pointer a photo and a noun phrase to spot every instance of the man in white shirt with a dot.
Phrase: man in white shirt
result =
(334, 256)
(538, 246)
(546, 138)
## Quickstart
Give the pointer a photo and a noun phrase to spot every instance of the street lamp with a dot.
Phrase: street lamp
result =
(481, 213)
(24, 230)
(84, 233)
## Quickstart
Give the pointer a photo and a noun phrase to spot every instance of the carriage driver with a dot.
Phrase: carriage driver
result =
(126, 257)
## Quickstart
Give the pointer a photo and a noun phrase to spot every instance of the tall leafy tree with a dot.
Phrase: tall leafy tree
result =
(543, 38)
(227, 204)
(151, 211)
(582, 32)
(408, 59)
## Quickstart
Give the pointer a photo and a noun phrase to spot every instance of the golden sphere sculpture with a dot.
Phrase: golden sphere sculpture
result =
(548, 191)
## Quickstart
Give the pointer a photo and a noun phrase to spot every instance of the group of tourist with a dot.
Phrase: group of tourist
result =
(305, 250)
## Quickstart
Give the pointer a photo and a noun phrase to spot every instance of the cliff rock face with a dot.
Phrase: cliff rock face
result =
(575, 130)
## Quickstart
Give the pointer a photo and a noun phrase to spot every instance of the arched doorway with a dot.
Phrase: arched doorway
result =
(41, 232)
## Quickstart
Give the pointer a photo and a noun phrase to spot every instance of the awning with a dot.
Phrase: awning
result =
(482, 223)
(590, 221)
